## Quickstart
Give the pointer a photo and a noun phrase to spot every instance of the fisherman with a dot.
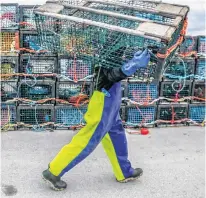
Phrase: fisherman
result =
(103, 124)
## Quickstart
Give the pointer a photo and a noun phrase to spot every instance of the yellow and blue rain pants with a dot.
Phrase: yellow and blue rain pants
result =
(103, 124)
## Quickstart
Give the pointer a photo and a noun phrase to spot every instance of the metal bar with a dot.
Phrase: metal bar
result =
(101, 25)
(134, 7)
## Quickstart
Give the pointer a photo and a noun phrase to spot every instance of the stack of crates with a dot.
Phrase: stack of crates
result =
(9, 63)
(197, 106)
(41, 86)
(177, 84)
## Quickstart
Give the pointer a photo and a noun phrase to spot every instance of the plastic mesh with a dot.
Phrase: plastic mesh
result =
(70, 116)
(35, 116)
(8, 17)
(142, 92)
(197, 113)
(8, 90)
(8, 114)
(138, 116)
(75, 69)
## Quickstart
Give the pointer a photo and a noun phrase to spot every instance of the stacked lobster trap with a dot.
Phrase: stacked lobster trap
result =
(107, 34)
(50, 53)
(9, 62)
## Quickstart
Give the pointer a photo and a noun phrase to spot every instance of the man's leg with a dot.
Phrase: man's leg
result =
(115, 145)
(99, 119)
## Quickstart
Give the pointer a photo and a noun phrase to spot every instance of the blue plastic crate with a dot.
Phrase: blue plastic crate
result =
(140, 92)
(201, 44)
(189, 44)
(200, 69)
(75, 69)
(68, 116)
(140, 116)
(9, 16)
(8, 114)
(197, 113)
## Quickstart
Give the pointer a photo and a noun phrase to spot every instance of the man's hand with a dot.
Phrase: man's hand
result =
(140, 59)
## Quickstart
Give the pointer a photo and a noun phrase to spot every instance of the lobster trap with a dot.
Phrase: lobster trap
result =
(8, 117)
(74, 93)
(9, 41)
(140, 116)
(69, 116)
(30, 43)
(9, 66)
(174, 114)
(35, 117)
(198, 91)
(197, 112)
(142, 93)
(189, 45)
(27, 19)
(38, 64)
(201, 69)
(9, 90)
(37, 90)
(75, 69)
(106, 42)
(180, 68)
(201, 45)
(9, 16)
(174, 91)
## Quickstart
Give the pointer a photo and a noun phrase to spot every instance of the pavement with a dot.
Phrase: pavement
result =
(172, 159)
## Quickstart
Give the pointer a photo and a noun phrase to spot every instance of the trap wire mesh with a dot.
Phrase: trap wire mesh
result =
(27, 17)
(33, 116)
(9, 16)
(172, 114)
(198, 91)
(9, 65)
(142, 93)
(189, 44)
(201, 68)
(31, 64)
(201, 44)
(108, 45)
(9, 90)
(175, 90)
(8, 116)
(39, 90)
(9, 41)
(68, 116)
(179, 68)
(197, 113)
(75, 69)
(74, 93)
(140, 116)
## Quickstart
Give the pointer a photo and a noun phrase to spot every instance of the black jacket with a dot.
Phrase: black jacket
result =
(106, 77)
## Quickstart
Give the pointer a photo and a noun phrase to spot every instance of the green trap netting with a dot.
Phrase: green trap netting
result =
(107, 39)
